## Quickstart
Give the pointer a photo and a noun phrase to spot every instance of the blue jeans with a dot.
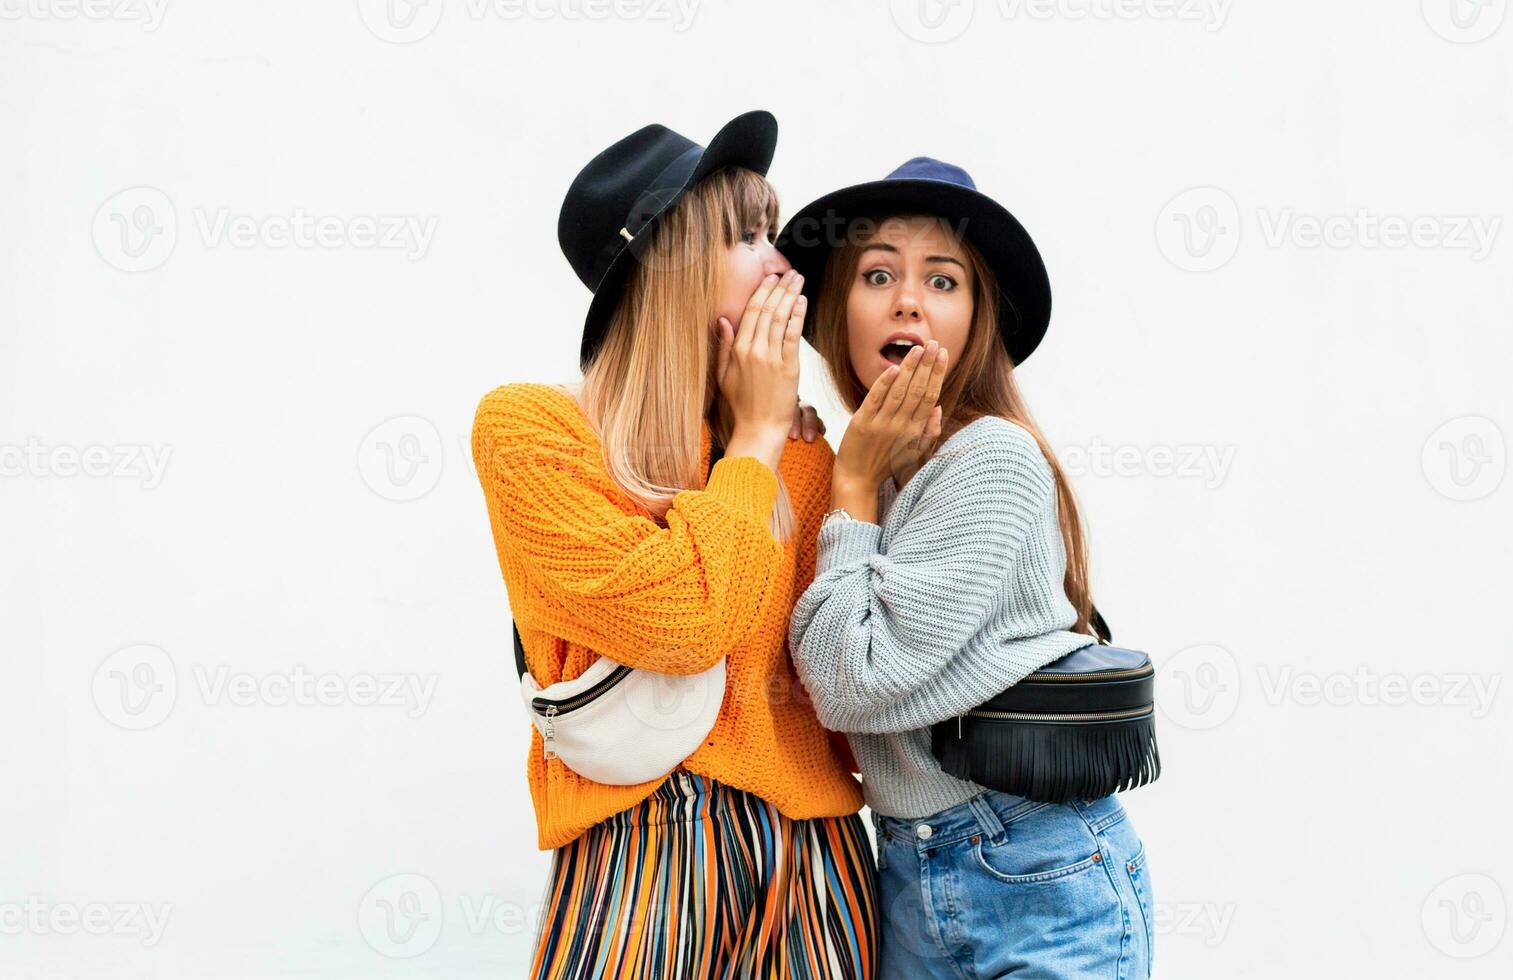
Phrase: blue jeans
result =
(1000, 886)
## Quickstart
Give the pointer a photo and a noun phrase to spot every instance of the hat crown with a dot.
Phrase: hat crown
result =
(929, 168)
(614, 205)
(614, 187)
(927, 186)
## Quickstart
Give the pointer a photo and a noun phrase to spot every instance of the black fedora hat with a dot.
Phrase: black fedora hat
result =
(616, 202)
(930, 187)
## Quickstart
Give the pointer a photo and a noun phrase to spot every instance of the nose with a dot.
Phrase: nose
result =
(906, 305)
(774, 262)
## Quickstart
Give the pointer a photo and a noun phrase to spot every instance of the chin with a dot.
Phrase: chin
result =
(864, 380)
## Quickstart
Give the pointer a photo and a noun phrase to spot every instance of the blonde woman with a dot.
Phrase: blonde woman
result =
(615, 537)
(952, 565)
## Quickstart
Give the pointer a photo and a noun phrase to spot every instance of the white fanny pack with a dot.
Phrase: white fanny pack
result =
(619, 725)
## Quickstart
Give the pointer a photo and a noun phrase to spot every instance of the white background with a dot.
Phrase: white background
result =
(1289, 452)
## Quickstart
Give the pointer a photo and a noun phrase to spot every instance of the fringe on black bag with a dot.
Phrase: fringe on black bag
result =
(1081, 727)
(1053, 762)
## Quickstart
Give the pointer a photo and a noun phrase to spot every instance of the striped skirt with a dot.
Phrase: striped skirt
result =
(702, 881)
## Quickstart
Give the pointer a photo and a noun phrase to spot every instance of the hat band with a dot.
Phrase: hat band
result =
(663, 189)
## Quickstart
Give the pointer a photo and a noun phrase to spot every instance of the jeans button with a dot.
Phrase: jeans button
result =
(924, 831)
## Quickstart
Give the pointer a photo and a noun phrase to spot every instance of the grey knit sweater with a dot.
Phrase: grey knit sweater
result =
(957, 595)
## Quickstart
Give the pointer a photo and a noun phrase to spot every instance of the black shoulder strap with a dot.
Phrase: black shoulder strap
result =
(1101, 625)
(519, 651)
(716, 453)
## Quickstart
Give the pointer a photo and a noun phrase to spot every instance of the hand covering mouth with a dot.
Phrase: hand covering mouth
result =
(897, 347)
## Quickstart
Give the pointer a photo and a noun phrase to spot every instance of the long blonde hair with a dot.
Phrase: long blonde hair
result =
(981, 382)
(645, 389)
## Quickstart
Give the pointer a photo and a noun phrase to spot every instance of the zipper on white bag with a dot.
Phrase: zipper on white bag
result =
(550, 734)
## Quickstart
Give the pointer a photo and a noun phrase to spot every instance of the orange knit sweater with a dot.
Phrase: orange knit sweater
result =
(588, 571)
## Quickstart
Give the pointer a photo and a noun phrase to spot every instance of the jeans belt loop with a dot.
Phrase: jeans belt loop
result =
(988, 819)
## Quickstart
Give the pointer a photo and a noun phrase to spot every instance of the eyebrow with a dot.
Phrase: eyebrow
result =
(885, 247)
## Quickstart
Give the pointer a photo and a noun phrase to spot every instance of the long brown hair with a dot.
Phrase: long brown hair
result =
(644, 391)
(981, 382)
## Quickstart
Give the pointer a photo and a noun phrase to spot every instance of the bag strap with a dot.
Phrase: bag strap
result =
(519, 652)
(716, 453)
(1101, 625)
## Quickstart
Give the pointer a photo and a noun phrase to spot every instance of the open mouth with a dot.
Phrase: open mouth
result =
(897, 348)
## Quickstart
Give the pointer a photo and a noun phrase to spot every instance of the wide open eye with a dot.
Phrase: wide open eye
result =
(877, 277)
(942, 282)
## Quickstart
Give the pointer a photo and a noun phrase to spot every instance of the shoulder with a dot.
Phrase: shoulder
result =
(524, 399)
(997, 431)
(526, 406)
(528, 415)
(805, 468)
(992, 449)
(800, 457)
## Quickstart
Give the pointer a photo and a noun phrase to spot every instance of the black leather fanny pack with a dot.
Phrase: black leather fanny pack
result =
(1080, 727)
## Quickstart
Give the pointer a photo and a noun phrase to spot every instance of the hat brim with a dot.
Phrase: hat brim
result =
(749, 140)
(1024, 302)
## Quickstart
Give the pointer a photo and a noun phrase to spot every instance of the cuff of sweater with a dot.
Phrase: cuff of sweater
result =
(745, 483)
(843, 542)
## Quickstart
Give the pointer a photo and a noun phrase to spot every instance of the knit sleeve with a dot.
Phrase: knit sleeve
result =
(672, 600)
(878, 623)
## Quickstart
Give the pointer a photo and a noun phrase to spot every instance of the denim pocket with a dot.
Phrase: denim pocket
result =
(1139, 877)
(1046, 844)
(1003, 862)
(1045, 904)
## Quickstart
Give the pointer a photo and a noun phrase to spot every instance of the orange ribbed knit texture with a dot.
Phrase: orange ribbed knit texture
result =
(589, 572)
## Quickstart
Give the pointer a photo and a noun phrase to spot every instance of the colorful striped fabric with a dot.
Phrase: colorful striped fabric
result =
(702, 880)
